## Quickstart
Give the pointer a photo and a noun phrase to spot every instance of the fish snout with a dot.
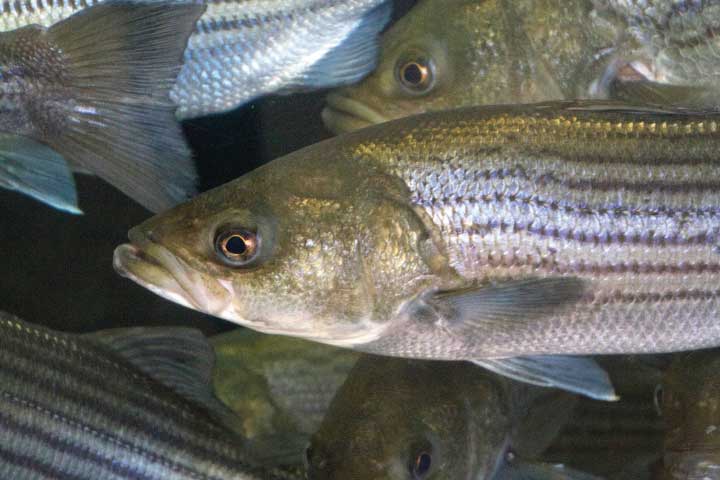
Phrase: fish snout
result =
(343, 113)
(155, 267)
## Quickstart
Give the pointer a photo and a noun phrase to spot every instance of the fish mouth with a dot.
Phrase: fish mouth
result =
(156, 268)
(344, 114)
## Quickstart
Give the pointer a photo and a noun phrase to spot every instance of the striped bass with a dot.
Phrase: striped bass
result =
(121, 404)
(244, 49)
(520, 238)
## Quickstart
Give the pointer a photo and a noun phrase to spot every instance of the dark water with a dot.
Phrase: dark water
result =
(56, 268)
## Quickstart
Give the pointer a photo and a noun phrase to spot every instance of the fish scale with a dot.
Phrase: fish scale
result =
(648, 249)
(71, 407)
(243, 49)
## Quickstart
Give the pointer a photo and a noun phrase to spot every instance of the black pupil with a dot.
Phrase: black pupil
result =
(413, 74)
(422, 464)
(236, 245)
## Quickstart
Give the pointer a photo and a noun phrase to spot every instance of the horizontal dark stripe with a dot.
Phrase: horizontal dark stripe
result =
(583, 267)
(652, 297)
(585, 184)
(565, 207)
(648, 238)
(170, 432)
(83, 452)
(247, 20)
(39, 469)
(90, 364)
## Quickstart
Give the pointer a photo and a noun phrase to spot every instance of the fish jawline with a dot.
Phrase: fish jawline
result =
(128, 262)
(344, 114)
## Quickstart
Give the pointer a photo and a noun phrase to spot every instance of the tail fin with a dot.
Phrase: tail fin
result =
(121, 59)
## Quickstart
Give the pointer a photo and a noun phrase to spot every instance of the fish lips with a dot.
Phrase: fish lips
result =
(156, 268)
(344, 114)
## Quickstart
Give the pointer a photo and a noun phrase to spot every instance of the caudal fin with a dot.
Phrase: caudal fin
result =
(121, 59)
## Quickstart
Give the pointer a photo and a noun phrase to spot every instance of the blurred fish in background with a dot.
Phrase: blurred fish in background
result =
(280, 386)
(456, 53)
(118, 404)
(689, 399)
(674, 49)
(407, 419)
(91, 94)
(447, 54)
(241, 50)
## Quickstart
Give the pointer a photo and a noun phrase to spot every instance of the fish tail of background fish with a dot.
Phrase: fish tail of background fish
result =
(73, 408)
(238, 54)
(117, 63)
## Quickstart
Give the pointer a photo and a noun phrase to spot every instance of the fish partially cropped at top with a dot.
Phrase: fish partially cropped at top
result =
(447, 54)
(118, 404)
(91, 94)
(241, 50)
(456, 53)
(516, 237)
(397, 419)
(688, 399)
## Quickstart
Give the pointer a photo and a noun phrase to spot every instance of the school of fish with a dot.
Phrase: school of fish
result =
(502, 268)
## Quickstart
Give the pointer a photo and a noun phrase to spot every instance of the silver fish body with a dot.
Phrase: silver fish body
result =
(504, 235)
(241, 50)
(70, 407)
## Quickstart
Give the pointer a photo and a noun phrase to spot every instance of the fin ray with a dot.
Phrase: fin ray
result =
(574, 374)
(36, 170)
(121, 59)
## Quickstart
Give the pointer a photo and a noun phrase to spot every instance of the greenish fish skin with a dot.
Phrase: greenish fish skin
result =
(464, 420)
(479, 53)
(526, 51)
(475, 234)
(280, 386)
(679, 38)
(241, 50)
(72, 407)
(689, 404)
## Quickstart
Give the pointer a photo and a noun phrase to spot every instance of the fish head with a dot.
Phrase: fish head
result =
(409, 420)
(462, 53)
(426, 63)
(298, 247)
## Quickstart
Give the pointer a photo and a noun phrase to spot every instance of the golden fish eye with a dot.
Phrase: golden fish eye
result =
(237, 247)
(416, 74)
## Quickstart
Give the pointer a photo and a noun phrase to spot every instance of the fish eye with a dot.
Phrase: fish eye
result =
(421, 465)
(416, 73)
(237, 247)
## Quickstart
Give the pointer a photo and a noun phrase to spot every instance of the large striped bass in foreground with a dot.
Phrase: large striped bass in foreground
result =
(133, 404)
(502, 235)
(243, 49)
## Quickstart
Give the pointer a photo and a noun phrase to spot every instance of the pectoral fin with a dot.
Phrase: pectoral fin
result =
(501, 305)
(574, 374)
(36, 170)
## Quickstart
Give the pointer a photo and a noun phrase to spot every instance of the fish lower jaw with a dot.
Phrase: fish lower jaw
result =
(123, 268)
(343, 114)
